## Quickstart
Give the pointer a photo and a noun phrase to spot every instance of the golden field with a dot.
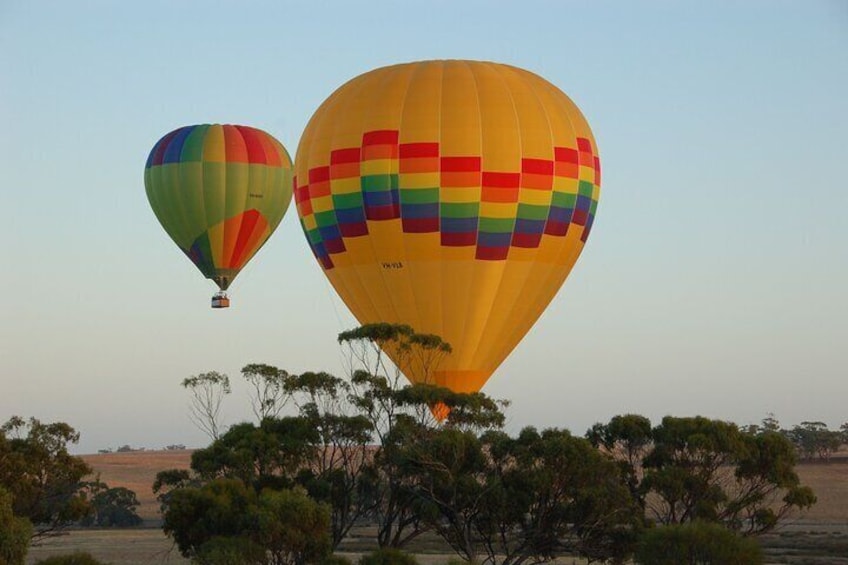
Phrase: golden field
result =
(816, 537)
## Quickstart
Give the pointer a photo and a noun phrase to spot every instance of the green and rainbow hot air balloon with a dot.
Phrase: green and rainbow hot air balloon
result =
(219, 191)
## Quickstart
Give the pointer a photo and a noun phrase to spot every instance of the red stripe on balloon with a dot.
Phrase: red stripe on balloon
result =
(159, 154)
(248, 224)
(235, 150)
(461, 164)
(418, 150)
(255, 149)
(340, 156)
(380, 137)
(492, 253)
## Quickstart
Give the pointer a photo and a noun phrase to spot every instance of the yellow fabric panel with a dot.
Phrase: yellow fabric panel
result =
(309, 222)
(499, 128)
(498, 209)
(534, 197)
(345, 186)
(421, 106)
(379, 167)
(567, 185)
(385, 96)
(505, 311)
(213, 144)
(535, 138)
(419, 180)
(459, 122)
(322, 204)
(459, 195)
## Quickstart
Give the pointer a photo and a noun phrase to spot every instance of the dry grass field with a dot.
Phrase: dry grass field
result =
(136, 471)
(816, 537)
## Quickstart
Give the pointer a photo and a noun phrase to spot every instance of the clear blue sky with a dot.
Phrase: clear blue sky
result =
(714, 282)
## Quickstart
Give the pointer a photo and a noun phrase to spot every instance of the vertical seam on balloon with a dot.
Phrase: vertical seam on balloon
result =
(186, 190)
(201, 186)
(385, 76)
(180, 205)
(497, 71)
(223, 192)
(354, 268)
(439, 264)
(247, 253)
(243, 207)
(415, 69)
(552, 99)
(566, 256)
(516, 328)
(339, 280)
(473, 259)
(578, 248)
(307, 152)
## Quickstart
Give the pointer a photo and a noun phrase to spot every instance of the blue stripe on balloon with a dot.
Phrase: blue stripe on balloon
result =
(175, 147)
(526, 226)
(489, 239)
(459, 225)
(562, 215)
(378, 198)
(350, 215)
(430, 210)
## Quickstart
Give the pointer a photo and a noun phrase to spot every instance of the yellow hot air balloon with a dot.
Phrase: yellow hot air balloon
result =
(219, 191)
(452, 196)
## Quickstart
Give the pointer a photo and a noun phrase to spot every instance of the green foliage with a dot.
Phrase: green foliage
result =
(388, 556)
(444, 471)
(267, 455)
(14, 533)
(286, 525)
(111, 507)
(268, 394)
(230, 551)
(76, 558)
(170, 480)
(221, 508)
(336, 560)
(378, 333)
(45, 481)
(293, 527)
(560, 494)
(696, 543)
(689, 469)
(815, 440)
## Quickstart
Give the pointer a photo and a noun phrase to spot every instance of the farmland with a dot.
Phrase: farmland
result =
(816, 537)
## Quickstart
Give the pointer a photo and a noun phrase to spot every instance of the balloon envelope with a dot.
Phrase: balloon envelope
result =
(452, 196)
(219, 191)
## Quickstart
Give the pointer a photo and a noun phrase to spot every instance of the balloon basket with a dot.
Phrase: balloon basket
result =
(220, 300)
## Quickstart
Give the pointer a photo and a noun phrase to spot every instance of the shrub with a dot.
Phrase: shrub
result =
(77, 558)
(14, 533)
(388, 556)
(336, 560)
(230, 551)
(696, 543)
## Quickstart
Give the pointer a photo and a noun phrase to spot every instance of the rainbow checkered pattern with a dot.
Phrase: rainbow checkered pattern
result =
(548, 208)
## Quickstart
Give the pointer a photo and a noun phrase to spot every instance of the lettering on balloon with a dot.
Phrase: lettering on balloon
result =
(391, 265)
